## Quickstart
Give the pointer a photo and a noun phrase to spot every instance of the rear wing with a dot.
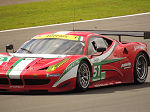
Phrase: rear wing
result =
(145, 34)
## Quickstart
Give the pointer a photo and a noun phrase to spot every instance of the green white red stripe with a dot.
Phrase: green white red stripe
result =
(15, 71)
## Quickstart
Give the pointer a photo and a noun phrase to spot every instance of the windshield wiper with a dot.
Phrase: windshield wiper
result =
(26, 50)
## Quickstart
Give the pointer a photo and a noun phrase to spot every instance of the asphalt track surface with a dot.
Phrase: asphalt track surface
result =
(120, 98)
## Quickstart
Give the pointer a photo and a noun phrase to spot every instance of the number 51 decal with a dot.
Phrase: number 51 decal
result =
(97, 74)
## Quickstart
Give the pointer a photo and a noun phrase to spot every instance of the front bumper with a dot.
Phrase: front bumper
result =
(36, 84)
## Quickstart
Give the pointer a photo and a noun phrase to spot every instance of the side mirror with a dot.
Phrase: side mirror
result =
(9, 47)
(101, 49)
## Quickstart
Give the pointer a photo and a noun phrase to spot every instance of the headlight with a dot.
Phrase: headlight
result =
(54, 67)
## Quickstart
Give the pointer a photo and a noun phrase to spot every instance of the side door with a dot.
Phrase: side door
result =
(94, 43)
(105, 64)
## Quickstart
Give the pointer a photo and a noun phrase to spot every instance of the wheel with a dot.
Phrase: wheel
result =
(140, 68)
(83, 76)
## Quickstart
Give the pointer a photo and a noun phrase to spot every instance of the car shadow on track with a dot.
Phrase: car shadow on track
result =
(99, 90)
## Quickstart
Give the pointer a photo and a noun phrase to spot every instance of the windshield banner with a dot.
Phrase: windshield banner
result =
(60, 36)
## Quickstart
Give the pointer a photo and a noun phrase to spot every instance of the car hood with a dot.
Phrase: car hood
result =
(20, 62)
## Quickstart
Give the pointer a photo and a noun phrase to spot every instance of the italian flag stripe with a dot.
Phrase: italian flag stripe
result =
(80, 38)
(15, 71)
(10, 69)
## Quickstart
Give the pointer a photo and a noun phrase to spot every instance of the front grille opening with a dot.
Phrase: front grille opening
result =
(3, 90)
(16, 82)
(4, 81)
(36, 81)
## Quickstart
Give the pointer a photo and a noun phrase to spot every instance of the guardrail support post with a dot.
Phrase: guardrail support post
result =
(119, 38)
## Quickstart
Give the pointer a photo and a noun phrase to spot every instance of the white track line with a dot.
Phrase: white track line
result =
(77, 22)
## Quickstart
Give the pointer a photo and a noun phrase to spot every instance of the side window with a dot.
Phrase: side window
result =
(109, 42)
(99, 42)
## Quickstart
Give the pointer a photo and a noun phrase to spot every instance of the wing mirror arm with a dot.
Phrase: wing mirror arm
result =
(100, 51)
(9, 47)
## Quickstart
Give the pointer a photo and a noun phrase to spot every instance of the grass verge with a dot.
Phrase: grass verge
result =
(61, 11)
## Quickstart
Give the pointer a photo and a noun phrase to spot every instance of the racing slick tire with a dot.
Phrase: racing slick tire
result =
(140, 68)
(83, 76)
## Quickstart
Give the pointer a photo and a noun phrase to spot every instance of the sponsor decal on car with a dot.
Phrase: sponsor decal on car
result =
(126, 65)
(138, 47)
(16, 87)
(52, 75)
(4, 58)
(60, 36)
(111, 83)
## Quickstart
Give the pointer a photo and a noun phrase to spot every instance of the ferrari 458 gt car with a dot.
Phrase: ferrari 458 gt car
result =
(67, 60)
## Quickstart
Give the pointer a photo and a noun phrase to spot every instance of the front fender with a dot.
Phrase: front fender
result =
(70, 71)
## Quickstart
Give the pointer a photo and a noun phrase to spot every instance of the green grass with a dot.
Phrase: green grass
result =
(61, 11)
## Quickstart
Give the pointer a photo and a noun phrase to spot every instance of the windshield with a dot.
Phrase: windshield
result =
(52, 46)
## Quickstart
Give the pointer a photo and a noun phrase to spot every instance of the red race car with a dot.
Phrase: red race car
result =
(67, 60)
